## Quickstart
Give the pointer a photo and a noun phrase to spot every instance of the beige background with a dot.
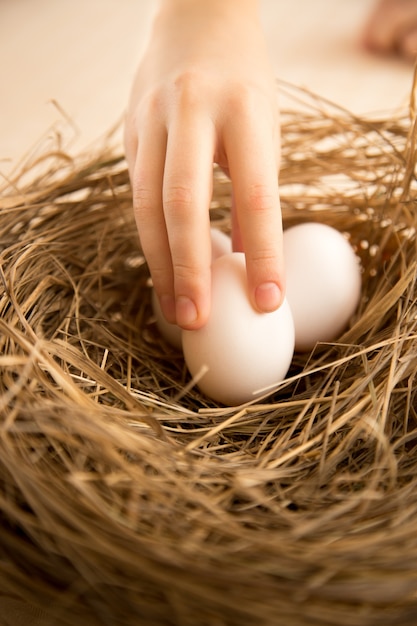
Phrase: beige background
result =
(82, 54)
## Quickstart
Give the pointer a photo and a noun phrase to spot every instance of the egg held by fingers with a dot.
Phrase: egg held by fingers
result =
(220, 244)
(239, 352)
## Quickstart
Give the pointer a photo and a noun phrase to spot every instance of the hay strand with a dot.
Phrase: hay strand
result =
(127, 497)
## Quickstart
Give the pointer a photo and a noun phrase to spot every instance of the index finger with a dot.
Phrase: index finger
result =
(187, 192)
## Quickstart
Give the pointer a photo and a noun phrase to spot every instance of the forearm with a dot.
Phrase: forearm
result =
(178, 14)
(242, 6)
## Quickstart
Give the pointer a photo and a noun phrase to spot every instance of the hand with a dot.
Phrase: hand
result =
(392, 28)
(205, 93)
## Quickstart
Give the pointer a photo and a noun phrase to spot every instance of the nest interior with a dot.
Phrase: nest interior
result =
(126, 497)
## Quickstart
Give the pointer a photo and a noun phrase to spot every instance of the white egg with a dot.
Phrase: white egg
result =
(323, 277)
(220, 244)
(239, 351)
(170, 332)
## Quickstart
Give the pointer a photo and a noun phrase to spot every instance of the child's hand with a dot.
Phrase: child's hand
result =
(205, 93)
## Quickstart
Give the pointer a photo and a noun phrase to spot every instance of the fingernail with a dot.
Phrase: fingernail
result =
(186, 311)
(268, 297)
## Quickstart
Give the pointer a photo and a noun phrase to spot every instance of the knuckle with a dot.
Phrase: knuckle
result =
(158, 273)
(187, 88)
(185, 271)
(178, 199)
(190, 277)
(152, 104)
(265, 256)
(246, 100)
(240, 106)
(261, 199)
(251, 103)
(142, 199)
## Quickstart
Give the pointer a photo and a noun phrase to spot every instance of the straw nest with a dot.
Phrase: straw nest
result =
(128, 498)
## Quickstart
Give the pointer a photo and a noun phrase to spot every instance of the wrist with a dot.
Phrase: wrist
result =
(219, 8)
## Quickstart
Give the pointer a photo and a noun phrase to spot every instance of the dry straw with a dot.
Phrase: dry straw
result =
(126, 497)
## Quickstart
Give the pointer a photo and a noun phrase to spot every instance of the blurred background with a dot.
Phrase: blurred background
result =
(67, 66)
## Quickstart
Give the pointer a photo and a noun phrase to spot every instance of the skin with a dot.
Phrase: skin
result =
(392, 28)
(205, 93)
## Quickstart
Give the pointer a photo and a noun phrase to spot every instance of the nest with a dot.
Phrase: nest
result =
(126, 496)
